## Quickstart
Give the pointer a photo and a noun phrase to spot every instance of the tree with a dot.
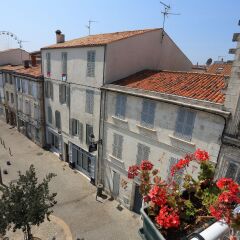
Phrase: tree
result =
(26, 202)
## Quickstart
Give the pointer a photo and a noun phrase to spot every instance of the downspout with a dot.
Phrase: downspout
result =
(101, 125)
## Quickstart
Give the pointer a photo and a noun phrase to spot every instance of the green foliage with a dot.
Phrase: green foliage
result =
(206, 171)
(190, 210)
(27, 202)
(209, 196)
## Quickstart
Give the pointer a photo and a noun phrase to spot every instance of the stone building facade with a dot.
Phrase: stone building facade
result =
(75, 70)
(147, 118)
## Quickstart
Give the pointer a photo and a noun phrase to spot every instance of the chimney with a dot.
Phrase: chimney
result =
(34, 60)
(60, 38)
(26, 63)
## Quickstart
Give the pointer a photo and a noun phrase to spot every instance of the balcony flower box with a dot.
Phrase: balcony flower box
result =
(183, 204)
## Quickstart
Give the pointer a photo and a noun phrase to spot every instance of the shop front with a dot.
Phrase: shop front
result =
(82, 161)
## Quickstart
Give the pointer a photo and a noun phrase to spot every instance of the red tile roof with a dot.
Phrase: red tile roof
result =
(20, 69)
(220, 68)
(200, 86)
(99, 39)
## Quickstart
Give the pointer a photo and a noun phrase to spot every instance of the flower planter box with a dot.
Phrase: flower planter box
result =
(214, 232)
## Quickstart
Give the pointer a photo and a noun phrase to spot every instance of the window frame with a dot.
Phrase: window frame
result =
(117, 146)
(91, 63)
(49, 115)
(148, 113)
(120, 106)
(89, 102)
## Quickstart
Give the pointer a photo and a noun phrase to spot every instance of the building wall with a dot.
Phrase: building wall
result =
(2, 99)
(163, 144)
(13, 57)
(76, 65)
(145, 51)
(28, 124)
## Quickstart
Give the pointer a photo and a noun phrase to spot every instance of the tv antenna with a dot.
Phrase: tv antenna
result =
(165, 14)
(89, 26)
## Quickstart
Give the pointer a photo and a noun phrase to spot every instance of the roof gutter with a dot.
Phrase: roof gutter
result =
(219, 112)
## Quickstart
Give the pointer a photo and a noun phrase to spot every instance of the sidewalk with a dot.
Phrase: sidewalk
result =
(86, 218)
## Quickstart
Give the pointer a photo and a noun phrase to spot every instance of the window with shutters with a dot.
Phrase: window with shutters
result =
(142, 153)
(20, 104)
(91, 57)
(7, 95)
(36, 112)
(62, 93)
(10, 79)
(34, 90)
(23, 86)
(80, 131)
(178, 174)
(75, 127)
(18, 84)
(57, 119)
(121, 106)
(233, 171)
(29, 88)
(49, 115)
(49, 89)
(48, 63)
(185, 124)
(27, 108)
(89, 105)
(64, 66)
(148, 113)
(12, 98)
(117, 146)
(89, 131)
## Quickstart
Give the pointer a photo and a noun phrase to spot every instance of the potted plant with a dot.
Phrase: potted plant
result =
(175, 208)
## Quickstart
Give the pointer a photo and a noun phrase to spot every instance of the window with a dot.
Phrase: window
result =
(64, 66)
(34, 90)
(74, 125)
(62, 93)
(49, 115)
(48, 60)
(117, 146)
(10, 78)
(36, 112)
(142, 153)
(121, 106)
(49, 89)
(89, 101)
(148, 113)
(185, 123)
(89, 131)
(18, 84)
(58, 119)
(29, 88)
(12, 98)
(233, 171)
(91, 55)
(7, 95)
(178, 174)
(27, 108)
(20, 104)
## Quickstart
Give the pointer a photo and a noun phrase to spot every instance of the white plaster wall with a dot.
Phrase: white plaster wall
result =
(144, 51)
(206, 135)
(76, 65)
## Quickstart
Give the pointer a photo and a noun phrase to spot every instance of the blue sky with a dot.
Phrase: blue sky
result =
(204, 29)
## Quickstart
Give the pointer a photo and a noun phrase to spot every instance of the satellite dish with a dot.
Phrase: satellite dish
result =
(209, 61)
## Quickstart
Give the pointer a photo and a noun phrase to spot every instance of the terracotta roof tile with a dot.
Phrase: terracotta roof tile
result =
(20, 69)
(99, 39)
(220, 68)
(200, 86)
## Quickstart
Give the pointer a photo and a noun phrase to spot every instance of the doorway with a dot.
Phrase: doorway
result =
(116, 180)
(137, 200)
(66, 152)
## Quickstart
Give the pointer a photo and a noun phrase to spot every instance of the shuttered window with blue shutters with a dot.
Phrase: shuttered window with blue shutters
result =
(142, 153)
(185, 123)
(117, 146)
(121, 106)
(148, 113)
(89, 101)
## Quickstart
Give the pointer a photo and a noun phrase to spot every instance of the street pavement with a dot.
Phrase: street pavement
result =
(77, 210)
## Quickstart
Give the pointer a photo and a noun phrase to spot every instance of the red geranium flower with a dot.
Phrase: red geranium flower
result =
(158, 195)
(179, 165)
(146, 165)
(133, 171)
(201, 155)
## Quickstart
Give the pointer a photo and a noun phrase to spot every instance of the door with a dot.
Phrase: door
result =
(66, 152)
(137, 200)
(116, 179)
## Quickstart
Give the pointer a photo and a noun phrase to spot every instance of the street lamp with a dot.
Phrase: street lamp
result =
(93, 144)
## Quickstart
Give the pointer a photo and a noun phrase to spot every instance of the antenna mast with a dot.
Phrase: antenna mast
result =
(165, 14)
(89, 26)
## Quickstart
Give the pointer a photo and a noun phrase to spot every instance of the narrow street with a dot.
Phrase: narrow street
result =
(87, 218)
